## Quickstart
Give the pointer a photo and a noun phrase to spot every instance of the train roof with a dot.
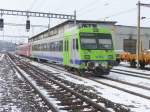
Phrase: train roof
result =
(77, 22)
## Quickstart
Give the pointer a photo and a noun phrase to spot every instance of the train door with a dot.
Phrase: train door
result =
(74, 54)
(66, 50)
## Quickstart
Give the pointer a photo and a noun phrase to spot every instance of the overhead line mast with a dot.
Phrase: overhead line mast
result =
(139, 4)
(35, 14)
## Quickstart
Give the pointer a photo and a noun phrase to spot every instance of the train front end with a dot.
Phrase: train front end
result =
(96, 50)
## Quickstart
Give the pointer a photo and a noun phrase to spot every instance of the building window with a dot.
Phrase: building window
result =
(129, 45)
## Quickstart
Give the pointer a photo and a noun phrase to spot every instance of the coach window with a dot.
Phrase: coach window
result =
(40, 47)
(55, 43)
(45, 46)
(32, 48)
(53, 46)
(48, 47)
(57, 46)
(77, 44)
(52, 49)
(61, 45)
(73, 43)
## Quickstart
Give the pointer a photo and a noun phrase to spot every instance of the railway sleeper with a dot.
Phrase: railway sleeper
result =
(66, 98)
(76, 107)
(56, 92)
(62, 96)
(93, 110)
(79, 102)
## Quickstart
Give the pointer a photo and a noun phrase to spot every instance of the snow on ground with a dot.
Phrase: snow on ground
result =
(126, 66)
(15, 95)
(130, 79)
(1, 56)
(135, 103)
(127, 87)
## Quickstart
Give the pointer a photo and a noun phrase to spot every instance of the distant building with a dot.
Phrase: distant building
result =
(124, 37)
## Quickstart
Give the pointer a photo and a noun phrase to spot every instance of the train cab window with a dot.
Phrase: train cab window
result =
(38, 47)
(49, 47)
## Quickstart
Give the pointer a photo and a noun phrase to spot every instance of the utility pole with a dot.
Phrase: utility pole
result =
(138, 29)
(75, 17)
(49, 25)
(138, 33)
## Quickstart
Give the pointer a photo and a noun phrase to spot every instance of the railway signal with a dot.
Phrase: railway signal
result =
(1, 23)
(28, 25)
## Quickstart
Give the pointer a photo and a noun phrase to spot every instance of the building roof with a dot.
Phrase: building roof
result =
(131, 26)
(77, 22)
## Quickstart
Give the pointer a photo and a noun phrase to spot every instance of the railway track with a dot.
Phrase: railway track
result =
(125, 89)
(99, 80)
(130, 73)
(144, 74)
(73, 98)
(128, 66)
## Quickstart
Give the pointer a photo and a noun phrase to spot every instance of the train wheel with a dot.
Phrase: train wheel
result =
(77, 72)
(142, 65)
(133, 64)
(117, 62)
(98, 71)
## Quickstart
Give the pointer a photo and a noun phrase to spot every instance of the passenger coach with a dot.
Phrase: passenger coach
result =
(78, 48)
(24, 50)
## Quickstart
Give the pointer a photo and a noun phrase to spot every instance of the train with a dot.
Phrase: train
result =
(24, 50)
(85, 49)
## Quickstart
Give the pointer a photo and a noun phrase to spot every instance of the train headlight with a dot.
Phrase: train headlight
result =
(96, 64)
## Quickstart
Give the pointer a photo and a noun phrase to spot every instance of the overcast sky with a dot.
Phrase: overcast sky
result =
(122, 11)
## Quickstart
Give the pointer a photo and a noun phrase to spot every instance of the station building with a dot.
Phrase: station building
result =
(124, 37)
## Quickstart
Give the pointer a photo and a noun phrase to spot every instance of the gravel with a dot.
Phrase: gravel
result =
(15, 94)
